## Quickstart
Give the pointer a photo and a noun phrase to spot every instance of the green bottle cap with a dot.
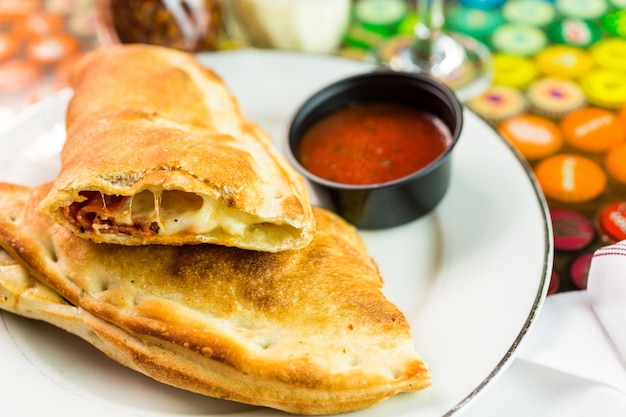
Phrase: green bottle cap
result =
(518, 39)
(614, 23)
(380, 16)
(576, 32)
(582, 9)
(530, 12)
(477, 23)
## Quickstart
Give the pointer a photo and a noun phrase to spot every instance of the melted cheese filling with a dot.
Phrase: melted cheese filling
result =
(170, 212)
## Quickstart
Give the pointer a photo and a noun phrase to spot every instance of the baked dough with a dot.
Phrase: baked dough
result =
(159, 152)
(305, 331)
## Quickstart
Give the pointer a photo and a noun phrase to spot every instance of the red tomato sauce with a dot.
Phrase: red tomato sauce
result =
(371, 143)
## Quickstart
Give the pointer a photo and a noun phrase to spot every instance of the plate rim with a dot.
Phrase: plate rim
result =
(542, 291)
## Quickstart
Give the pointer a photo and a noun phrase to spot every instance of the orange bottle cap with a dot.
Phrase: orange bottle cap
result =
(52, 49)
(570, 178)
(38, 24)
(534, 136)
(9, 45)
(615, 162)
(593, 129)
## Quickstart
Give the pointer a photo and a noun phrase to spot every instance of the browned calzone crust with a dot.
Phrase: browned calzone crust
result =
(305, 331)
(158, 152)
(22, 294)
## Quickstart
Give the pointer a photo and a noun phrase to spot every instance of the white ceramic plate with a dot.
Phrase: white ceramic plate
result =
(470, 277)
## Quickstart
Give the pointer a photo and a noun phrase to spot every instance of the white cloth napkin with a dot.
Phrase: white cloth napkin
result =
(607, 292)
(573, 362)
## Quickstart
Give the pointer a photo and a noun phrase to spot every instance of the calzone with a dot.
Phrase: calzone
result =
(158, 152)
(305, 331)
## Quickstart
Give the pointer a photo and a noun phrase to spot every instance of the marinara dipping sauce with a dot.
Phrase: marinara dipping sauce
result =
(372, 142)
(376, 147)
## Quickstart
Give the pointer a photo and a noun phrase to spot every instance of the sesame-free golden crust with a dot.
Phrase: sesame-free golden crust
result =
(307, 331)
(151, 118)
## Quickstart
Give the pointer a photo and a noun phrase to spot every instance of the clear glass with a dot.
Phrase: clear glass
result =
(461, 62)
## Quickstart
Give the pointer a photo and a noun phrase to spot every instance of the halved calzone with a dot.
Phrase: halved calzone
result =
(306, 331)
(158, 152)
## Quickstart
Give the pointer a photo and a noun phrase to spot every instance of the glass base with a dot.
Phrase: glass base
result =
(460, 62)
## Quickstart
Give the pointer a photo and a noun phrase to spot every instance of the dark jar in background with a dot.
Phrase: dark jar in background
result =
(189, 25)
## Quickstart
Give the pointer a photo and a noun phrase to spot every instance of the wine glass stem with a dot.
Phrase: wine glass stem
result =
(430, 20)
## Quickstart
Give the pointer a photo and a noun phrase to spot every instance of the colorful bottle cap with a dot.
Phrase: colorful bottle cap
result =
(612, 221)
(564, 61)
(593, 129)
(533, 136)
(497, 103)
(577, 32)
(555, 97)
(582, 9)
(477, 23)
(605, 88)
(380, 16)
(51, 49)
(610, 53)
(482, 4)
(572, 230)
(519, 39)
(39, 24)
(9, 45)
(570, 178)
(615, 162)
(513, 70)
(614, 22)
(579, 270)
(529, 12)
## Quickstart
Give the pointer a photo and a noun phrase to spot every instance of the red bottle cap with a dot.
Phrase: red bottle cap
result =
(572, 230)
(579, 270)
(612, 221)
